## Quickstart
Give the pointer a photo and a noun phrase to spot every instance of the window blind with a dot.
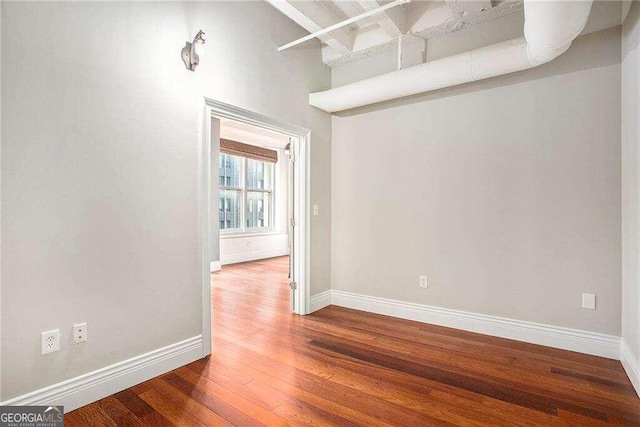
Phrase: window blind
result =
(236, 148)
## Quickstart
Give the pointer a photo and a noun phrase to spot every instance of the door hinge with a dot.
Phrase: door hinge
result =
(293, 286)
(293, 222)
(289, 152)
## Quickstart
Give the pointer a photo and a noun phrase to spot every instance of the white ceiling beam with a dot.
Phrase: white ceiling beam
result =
(429, 27)
(313, 18)
(347, 8)
(465, 7)
(344, 23)
(429, 22)
(384, 19)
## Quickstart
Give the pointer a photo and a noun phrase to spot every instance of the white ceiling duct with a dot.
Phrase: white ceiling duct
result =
(550, 28)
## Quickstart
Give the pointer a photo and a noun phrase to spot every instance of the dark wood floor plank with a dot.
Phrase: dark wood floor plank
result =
(141, 409)
(206, 396)
(179, 408)
(460, 363)
(594, 380)
(382, 397)
(289, 388)
(299, 352)
(267, 401)
(343, 367)
(119, 413)
(210, 368)
(94, 415)
(241, 400)
(506, 393)
(74, 418)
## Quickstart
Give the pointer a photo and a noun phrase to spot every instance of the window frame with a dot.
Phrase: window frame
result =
(243, 202)
(232, 188)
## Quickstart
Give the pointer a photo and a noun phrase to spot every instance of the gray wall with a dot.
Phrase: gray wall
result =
(505, 192)
(100, 182)
(631, 179)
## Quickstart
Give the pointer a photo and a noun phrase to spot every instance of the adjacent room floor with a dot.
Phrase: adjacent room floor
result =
(344, 367)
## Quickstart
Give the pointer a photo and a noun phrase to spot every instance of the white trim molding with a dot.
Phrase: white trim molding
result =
(253, 256)
(301, 149)
(215, 266)
(631, 365)
(319, 301)
(92, 386)
(536, 333)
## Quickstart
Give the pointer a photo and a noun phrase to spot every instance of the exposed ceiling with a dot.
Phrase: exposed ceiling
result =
(416, 21)
(415, 24)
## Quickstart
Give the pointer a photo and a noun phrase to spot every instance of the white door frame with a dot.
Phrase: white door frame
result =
(302, 191)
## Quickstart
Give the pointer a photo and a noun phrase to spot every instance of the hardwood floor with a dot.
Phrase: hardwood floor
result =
(343, 367)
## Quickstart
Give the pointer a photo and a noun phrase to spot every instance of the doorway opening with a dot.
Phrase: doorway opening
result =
(255, 209)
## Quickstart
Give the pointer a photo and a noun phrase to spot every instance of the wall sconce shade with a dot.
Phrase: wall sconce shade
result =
(191, 51)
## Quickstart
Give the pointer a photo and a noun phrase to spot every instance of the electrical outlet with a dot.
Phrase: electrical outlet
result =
(50, 341)
(589, 301)
(79, 333)
(423, 282)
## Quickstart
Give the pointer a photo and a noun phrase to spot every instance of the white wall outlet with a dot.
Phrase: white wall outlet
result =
(589, 301)
(50, 341)
(423, 282)
(79, 333)
(315, 209)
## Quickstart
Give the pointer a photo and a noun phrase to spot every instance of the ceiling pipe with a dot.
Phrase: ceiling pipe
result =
(549, 29)
(344, 23)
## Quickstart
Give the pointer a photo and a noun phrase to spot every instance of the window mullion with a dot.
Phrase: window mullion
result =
(244, 194)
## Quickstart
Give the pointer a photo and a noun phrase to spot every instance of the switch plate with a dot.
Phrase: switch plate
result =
(50, 341)
(423, 282)
(315, 209)
(79, 333)
(589, 301)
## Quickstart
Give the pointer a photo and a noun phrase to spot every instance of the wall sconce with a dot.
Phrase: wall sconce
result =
(191, 51)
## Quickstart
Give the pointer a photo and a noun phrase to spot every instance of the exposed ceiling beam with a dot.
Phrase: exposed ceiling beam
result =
(344, 23)
(348, 9)
(425, 29)
(384, 19)
(313, 17)
(428, 23)
(379, 32)
(466, 7)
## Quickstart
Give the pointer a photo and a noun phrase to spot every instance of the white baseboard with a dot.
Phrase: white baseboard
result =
(631, 365)
(319, 301)
(253, 256)
(536, 333)
(92, 386)
(215, 266)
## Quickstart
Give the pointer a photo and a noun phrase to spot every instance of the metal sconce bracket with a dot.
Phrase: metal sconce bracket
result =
(189, 56)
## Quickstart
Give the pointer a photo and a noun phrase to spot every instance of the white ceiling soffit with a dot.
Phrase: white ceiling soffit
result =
(420, 18)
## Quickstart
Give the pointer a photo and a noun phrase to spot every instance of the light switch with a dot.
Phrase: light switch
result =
(589, 301)
(315, 209)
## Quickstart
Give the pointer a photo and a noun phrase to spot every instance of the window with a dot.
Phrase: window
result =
(245, 200)
(230, 191)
